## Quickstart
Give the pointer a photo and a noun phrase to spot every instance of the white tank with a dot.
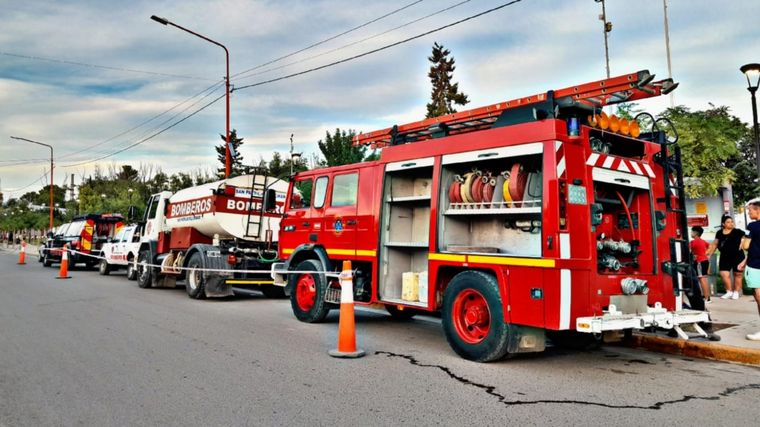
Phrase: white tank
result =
(222, 208)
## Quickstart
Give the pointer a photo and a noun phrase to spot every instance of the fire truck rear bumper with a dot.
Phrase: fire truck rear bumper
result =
(656, 317)
(280, 279)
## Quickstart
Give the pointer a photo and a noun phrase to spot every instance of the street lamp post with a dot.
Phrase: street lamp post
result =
(227, 155)
(607, 28)
(752, 72)
(51, 172)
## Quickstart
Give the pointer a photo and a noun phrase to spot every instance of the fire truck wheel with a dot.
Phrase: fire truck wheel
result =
(308, 296)
(195, 282)
(272, 291)
(473, 317)
(131, 270)
(103, 268)
(400, 315)
(144, 273)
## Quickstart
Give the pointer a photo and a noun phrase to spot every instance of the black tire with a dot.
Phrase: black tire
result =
(472, 292)
(272, 291)
(305, 308)
(196, 283)
(104, 269)
(46, 261)
(131, 270)
(401, 315)
(144, 273)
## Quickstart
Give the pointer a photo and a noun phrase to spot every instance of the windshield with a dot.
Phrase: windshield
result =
(75, 229)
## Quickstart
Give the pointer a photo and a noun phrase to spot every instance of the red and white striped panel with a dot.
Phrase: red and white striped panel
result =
(619, 164)
(561, 165)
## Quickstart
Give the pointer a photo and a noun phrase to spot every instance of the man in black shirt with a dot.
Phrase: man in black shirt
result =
(752, 244)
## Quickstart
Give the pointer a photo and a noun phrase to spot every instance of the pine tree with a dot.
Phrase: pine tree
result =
(444, 92)
(236, 167)
(338, 148)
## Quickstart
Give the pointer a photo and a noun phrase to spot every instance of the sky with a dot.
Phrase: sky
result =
(94, 77)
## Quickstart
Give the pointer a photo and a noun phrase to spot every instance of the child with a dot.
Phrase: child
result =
(699, 247)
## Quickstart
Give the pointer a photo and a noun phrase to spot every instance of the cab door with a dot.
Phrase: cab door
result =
(340, 215)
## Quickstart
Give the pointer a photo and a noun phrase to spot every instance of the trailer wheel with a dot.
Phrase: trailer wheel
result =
(308, 297)
(103, 268)
(473, 317)
(131, 270)
(144, 273)
(195, 282)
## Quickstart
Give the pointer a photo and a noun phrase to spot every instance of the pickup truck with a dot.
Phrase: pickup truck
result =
(121, 251)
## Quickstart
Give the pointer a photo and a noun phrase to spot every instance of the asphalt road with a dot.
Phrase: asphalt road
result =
(100, 351)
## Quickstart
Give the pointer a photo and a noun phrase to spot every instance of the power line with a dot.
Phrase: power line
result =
(327, 39)
(105, 67)
(438, 12)
(351, 58)
(16, 190)
(148, 137)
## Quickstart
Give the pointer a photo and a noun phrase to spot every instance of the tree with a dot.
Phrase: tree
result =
(444, 92)
(708, 140)
(128, 173)
(745, 185)
(338, 149)
(276, 167)
(236, 166)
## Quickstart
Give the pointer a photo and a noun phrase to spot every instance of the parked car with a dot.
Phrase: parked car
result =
(121, 252)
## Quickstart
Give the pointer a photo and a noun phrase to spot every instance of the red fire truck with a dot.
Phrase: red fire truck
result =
(536, 216)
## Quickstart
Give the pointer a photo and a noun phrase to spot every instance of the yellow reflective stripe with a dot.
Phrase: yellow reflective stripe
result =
(249, 282)
(360, 252)
(446, 257)
(341, 252)
(527, 262)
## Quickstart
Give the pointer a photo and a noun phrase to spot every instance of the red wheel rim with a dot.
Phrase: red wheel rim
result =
(471, 316)
(306, 292)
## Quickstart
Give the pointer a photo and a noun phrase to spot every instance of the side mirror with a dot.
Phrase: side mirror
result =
(270, 200)
(131, 213)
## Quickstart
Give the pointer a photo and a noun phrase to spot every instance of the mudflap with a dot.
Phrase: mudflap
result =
(216, 286)
(526, 339)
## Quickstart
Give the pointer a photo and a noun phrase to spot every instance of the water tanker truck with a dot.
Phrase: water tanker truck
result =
(214, 236)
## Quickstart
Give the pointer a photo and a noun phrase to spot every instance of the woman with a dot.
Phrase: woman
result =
(728, 241)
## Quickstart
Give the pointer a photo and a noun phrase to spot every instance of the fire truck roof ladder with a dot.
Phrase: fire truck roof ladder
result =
(255, 216)
(589, 96)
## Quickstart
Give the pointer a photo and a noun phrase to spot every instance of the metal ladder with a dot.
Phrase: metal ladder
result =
(255, 215)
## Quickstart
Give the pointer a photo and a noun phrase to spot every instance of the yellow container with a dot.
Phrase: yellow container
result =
(410, 286)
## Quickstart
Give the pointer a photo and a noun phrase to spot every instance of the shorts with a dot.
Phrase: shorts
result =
(752, 277)
(728, 263)
(702, 267)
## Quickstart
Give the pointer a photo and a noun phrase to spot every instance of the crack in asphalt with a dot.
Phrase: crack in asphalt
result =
(491, 390)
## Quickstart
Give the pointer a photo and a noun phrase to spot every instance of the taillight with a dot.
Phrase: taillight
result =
(231, 259)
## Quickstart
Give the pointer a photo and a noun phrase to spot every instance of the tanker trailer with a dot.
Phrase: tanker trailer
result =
(212, 235)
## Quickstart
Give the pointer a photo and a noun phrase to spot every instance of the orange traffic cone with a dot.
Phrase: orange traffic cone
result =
(64, 271)
(22, 254)
(346, 325)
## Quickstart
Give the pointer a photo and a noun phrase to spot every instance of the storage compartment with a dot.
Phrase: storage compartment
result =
(405, 233)
(493, 205)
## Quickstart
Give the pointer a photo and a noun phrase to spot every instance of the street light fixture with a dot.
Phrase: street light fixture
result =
(227, 156)
(51, 172)
(752, 72)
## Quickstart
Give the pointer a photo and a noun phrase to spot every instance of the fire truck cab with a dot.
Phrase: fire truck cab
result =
(539, 215)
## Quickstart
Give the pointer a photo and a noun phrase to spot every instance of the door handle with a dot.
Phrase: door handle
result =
(306, 224)
(351, 222)
(549, 242)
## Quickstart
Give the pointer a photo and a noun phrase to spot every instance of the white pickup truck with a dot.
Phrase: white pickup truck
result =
(121, 251)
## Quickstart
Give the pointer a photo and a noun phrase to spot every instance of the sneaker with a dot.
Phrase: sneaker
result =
(708, 301)
(754, 337)
(727, 295)
(736, 295)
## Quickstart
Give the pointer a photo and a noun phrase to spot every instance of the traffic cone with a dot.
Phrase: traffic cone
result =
(346, 324)
(22, 254)
(63, 273)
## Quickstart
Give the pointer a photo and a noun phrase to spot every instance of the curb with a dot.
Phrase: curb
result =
(696, 349)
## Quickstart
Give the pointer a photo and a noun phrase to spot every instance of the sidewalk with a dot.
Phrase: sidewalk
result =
(732, 321)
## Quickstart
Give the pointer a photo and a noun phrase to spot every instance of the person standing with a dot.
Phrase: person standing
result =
(728, 241)
(752, 245)
(698, 248)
